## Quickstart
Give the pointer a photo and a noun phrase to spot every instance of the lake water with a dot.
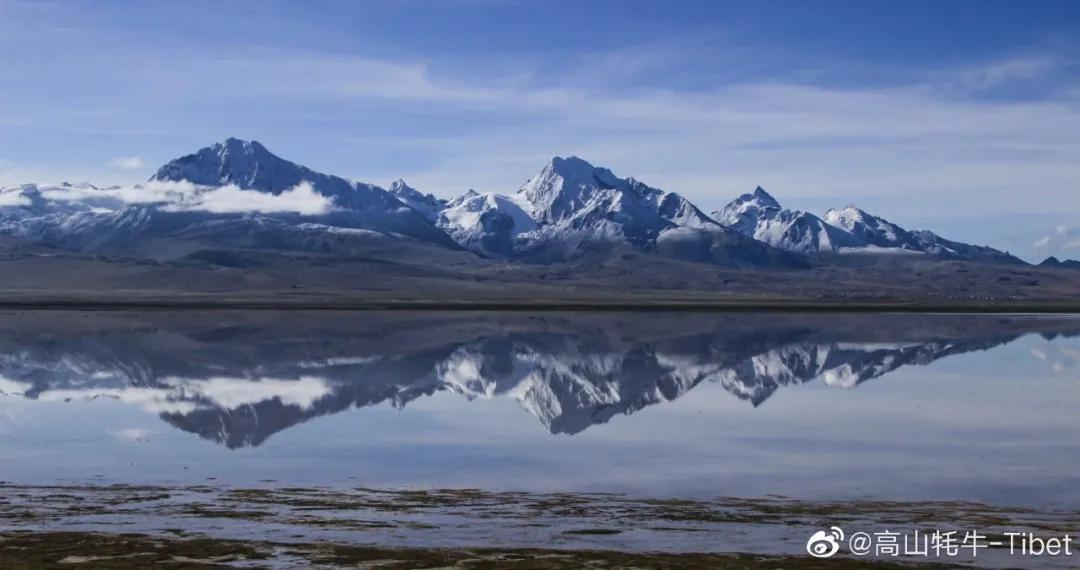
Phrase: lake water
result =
(803, 407)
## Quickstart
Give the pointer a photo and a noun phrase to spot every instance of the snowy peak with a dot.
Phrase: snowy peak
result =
(763, 198)
(580, 172)
(426, 204)
(849, 217)
(872, 229)
(759, 215)
(759, 199)
(565, 185)
(470, 193)
(400, 188)
(745, 212)
(573, 189)
(487, 223)
(572, 208)
(247, 164)
(251, 166)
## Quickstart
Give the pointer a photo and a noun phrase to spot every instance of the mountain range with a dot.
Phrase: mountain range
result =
(236, 196)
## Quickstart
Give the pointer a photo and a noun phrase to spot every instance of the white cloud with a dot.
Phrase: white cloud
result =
(155, 191)
(919, 140)
(127, 163)
(913, 143)
(150, 192)
(232, 393)
(1063, 239)
(185, 196)
(154, 400)
(1006, 71)
(186, 395)
(301, 199)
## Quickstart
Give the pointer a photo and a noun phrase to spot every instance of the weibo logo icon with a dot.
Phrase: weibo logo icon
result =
(825, 543)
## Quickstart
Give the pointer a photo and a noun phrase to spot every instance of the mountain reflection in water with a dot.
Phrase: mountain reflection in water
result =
(238, 378)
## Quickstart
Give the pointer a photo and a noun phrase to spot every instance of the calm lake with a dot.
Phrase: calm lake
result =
(906, 408)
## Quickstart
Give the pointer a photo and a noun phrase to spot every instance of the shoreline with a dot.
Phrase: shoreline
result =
(554, 305)
(75, 549)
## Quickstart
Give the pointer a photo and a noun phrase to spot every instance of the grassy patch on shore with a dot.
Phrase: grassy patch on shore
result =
(33, 550)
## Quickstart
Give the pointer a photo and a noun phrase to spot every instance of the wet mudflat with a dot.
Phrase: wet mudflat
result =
(74, 550)
(442, 527)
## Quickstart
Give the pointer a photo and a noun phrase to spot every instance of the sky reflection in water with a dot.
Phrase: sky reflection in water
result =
(884, 406)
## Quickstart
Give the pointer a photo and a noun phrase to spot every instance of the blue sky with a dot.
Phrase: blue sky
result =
(961, 116)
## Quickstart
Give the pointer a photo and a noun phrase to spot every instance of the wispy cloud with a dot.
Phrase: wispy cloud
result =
(301, 199)
(184, 196)
(1063, 239)
(917, 143)
(1005, 71)
(127, 163)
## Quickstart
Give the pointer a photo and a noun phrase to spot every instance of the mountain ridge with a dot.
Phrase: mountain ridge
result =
(571, 207)
(843, 232)
(238, 194)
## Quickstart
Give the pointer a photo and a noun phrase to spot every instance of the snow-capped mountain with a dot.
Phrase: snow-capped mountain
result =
(760, 216)
(232, 194)
(571, 208)
(488, 224)
(250, 166)
(426, 204)
(871, 230)
(847, 230)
